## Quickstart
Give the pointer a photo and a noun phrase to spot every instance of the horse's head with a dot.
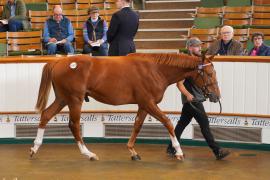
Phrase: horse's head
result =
(206, 79)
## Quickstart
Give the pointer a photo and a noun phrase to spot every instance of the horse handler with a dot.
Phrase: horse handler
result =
(192, 94)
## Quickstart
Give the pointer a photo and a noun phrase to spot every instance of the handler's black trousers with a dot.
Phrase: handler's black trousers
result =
(188, 112)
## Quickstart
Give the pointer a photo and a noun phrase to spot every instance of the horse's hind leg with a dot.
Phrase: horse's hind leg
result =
(74, 125)
(46, 115)
(141, 114)
(158, 114)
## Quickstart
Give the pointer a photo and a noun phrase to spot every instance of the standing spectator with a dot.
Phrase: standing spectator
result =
(191, 93)
(14, 16)
(95, 34)
(259, 49)
(123, 27)
(226, 45)
(58, 33)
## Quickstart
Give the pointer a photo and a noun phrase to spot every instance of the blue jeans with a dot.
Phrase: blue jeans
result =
(66, 48)
(12, 26)
(15, 25)
(3, 28)
(103, 50)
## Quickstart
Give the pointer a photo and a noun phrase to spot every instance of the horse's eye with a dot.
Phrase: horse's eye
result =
(200, 72)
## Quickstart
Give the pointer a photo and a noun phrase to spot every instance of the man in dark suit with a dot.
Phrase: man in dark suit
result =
(123, 27)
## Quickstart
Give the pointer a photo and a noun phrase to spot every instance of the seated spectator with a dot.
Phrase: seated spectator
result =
(95, 34)
(259, 49)
(226, 45)
(14, 17)
(58, 33)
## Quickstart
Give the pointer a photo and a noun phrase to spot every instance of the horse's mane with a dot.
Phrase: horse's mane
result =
(179, 60)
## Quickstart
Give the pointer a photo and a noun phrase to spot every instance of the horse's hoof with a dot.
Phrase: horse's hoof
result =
(180, 157)
(135, 158)
(32, 152)
(94, 158)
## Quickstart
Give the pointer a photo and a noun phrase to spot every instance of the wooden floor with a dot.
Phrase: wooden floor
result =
(63, 161)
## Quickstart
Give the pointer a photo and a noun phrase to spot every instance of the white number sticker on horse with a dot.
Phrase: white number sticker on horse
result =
(73, 65)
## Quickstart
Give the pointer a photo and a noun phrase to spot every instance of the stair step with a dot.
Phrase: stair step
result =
(172, 4)
(159, 44)
(175, 51)
(161, 33)
(165, 14)
(165, 23)
(173, 0)
(165, 29)
(163, 39)
(167, 10)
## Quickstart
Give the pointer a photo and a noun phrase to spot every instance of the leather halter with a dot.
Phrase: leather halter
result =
(206, 83)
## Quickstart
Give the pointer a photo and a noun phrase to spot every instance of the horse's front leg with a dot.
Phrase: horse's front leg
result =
(158, 114)
(46, 115)
(74, 125)
(141, 114)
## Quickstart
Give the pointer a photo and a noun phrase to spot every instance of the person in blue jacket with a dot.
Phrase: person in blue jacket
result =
(58, 33)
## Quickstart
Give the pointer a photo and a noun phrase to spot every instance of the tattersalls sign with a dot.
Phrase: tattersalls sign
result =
(235, 121)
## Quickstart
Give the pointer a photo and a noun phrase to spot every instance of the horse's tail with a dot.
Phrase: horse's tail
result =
(45, 87)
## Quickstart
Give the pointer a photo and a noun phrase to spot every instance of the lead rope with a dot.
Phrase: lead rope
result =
(194, 107)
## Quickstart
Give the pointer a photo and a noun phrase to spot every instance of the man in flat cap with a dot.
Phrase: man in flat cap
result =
(190, 93)
(194, 46)
(95, 34)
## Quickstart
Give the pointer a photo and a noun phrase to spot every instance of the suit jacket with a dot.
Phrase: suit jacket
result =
(123, 27)
(235, 48)
(263, 50)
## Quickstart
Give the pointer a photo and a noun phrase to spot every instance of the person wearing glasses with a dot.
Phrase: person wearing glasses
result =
(192, 94)
(58, 33)
(259, 49)
(226, 45)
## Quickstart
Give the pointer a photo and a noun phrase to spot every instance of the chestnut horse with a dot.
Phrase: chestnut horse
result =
(135, 79)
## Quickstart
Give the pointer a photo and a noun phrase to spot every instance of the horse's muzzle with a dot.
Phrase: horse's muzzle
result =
(213, 98)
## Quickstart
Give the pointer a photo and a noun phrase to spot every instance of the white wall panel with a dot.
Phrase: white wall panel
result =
(238, 100)
(262, 90)
(169, 100)
(2, 87)
(227, 86)
(7, 130)
(268, 90)
(250, 88)
(11, 88)
(245, 88)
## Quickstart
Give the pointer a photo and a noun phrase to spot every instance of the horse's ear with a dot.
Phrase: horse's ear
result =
(211, 57)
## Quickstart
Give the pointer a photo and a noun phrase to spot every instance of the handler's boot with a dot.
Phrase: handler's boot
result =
(222, 153)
